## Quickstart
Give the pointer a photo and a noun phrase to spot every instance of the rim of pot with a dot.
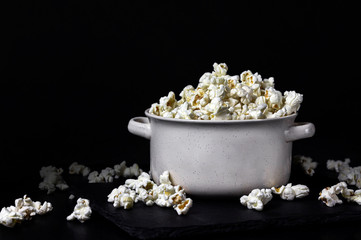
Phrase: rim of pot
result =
(217, 121)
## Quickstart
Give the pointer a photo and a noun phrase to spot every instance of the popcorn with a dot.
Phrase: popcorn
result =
(162, 201)
(352, 196)
(42, 209)
(82, 211)
(338, 165)
(122, 197)
(132, 171)
(293, 101)
(257, 199)
(328, 195)
(184, 112)
(94, 177)
(217, 109)
(76, 168)
(143, 181)
(145, 190)
(164, 178)
(184, 206)
(267, 83)
(71, 196)
(120, 170)
(219, 96)
(177, 198)
(274, 97)
(52, 179)
(306, 162)
(350, 175)
(107, 174)
(9, 218)
(220, 69)
(290, 192)
(162, 194)
(24, 209)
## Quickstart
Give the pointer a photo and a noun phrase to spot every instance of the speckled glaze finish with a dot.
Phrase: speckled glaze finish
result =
(223, 157)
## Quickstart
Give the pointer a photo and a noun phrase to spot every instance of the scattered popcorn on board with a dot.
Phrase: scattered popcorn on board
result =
(24, 209)
(145, 190)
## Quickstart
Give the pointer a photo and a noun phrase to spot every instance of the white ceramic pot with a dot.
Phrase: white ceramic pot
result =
(221, 157)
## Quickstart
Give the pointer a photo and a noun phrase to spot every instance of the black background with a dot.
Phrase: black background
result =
(73, 74)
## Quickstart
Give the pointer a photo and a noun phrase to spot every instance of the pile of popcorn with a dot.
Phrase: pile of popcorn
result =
(24, 209)
(219, 96)
(145, 190)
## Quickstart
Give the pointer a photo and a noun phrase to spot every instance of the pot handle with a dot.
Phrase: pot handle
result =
(299, 130)
(140, 126)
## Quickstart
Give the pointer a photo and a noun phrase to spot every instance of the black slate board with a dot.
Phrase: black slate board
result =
(218, 214)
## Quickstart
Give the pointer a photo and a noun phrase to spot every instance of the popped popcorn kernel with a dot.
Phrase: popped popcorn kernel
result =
(82, 211)
(307, 164)
(257, 199)
(76, 168)
(184, 206)
(290, 192)
(329, 196)
(52, 179)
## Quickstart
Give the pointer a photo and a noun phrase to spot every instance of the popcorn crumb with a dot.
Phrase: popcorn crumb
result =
(24, 209)
(71, 196)
(257, 199)
(82, 211)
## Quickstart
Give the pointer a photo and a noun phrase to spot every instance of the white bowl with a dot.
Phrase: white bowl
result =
(221, 157)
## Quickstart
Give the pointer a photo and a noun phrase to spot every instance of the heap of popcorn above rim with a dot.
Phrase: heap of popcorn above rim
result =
(219, 96)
